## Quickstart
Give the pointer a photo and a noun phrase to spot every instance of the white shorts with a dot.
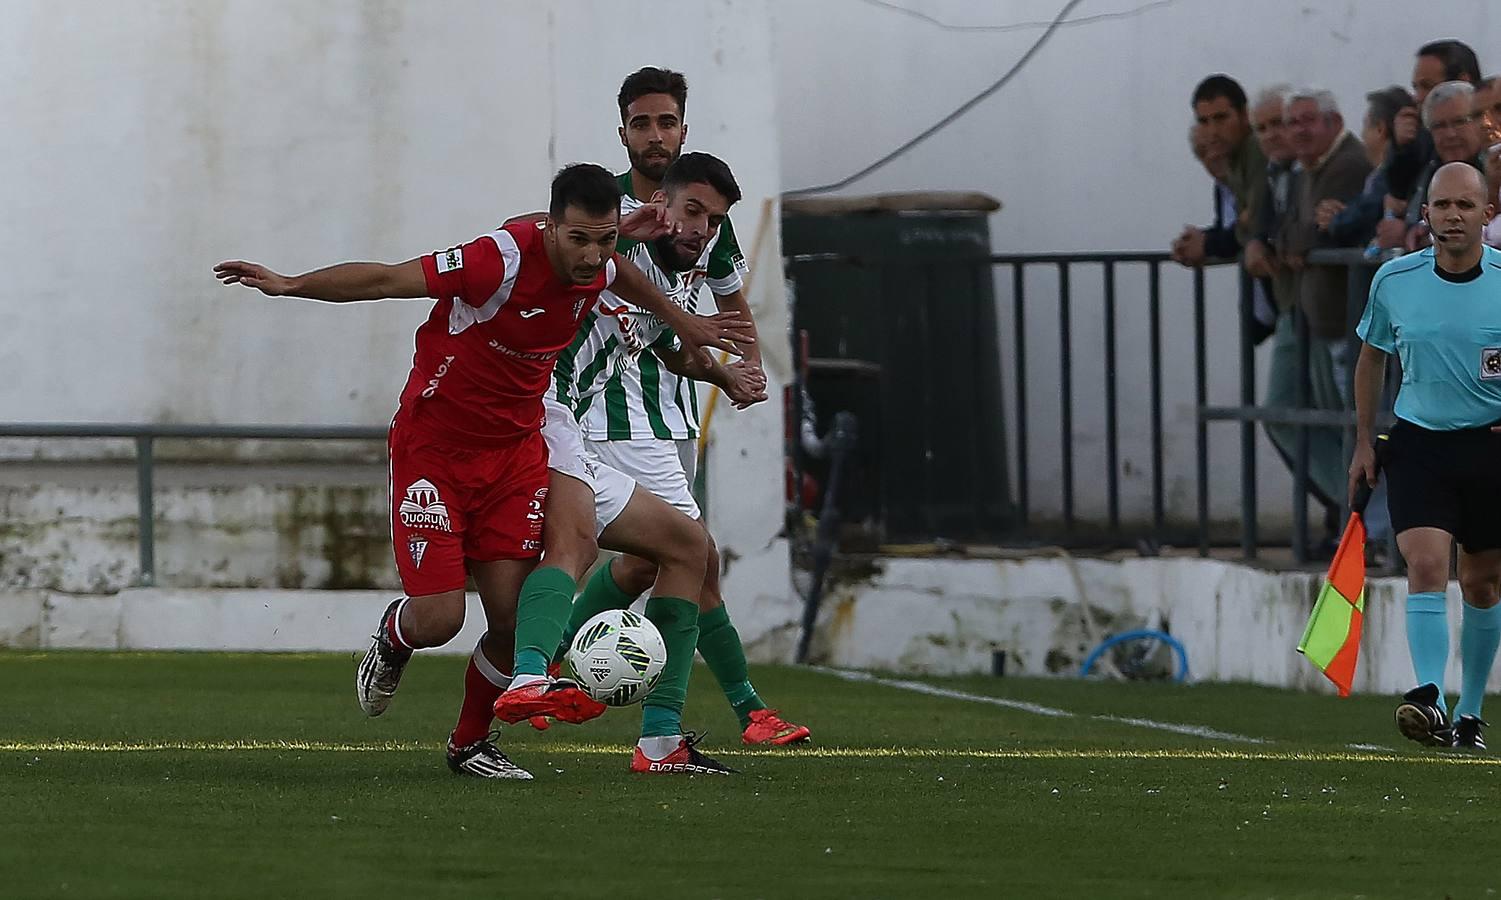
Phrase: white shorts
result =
(566, 454)
(662, 467)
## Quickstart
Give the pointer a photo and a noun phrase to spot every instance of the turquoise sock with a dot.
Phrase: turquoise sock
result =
(660, 721)
(1428, 639)
(1479, 634)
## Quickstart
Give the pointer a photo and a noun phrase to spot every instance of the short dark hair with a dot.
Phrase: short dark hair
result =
(652, 80)
(1383, 105)
(1217, 86)
(702, 168)
(1459, 60)
(584, 186)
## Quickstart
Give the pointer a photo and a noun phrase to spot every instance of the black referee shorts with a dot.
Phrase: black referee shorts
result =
(1449, 480)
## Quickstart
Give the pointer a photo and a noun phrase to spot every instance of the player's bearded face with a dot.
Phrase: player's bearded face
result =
(653, 134)
(582, 244)
(696, 211)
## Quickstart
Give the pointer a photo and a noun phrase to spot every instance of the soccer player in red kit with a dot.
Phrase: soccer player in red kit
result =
(468, 464)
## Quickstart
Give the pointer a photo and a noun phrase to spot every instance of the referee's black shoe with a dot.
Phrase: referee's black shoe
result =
(1469, 733)
(1421, 719)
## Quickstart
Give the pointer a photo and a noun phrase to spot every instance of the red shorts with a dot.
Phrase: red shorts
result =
(450, 504)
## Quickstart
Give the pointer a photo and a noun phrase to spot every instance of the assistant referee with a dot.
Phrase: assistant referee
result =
(1440, 312)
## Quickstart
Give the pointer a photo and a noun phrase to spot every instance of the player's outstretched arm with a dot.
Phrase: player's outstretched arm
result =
(722, 332)
(342, 283)
(742, 382)
(735, 302)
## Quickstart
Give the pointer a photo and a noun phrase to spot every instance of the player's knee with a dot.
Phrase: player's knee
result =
(633, 575)
(1428, 571)
(1482, 591)
(689, 546)
(572, 548)
(434, 620)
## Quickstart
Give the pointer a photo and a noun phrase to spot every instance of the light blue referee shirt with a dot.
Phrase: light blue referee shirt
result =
(1446, 331)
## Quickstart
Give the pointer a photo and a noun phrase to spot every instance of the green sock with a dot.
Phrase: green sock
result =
(540, 614)
(677, 620)
(719, 643)
(600, 594)
(659, 721)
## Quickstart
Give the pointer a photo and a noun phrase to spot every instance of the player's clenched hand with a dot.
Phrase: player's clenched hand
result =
(1362, 470)
(253, 275)
(721, 331)
(747, 384)
(646, 222)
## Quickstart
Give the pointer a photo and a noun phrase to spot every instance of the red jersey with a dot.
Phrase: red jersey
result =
(485, 355)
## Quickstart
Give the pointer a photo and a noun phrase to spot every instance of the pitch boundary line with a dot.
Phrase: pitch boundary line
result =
(904, 753)
(1198, 731)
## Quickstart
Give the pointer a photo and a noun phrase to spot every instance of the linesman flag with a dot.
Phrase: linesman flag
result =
(1331, 641)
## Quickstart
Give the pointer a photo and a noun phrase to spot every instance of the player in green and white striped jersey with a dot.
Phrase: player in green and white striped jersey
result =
(636, 416)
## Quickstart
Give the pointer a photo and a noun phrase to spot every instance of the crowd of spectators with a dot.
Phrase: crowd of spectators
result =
(1291, 176)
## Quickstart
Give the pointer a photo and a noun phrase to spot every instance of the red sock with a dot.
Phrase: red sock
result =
(478, 710)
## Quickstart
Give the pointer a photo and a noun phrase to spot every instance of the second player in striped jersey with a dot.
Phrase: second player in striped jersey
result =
(636, 416)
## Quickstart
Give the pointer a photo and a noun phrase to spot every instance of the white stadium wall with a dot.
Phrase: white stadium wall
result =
(1087, 149)
(160, 138)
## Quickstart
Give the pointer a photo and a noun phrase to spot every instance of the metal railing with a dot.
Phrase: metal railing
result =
(145, 436)
(1023, 393)
(1247, 413)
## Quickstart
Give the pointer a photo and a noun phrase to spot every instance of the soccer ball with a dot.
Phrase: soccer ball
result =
(616, 657)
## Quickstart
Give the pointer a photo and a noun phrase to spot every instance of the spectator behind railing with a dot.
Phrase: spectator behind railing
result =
(1434, 64)
(1448, 114)
(1261, 254)
(1331, 165)
(1488, 108)
(1354, 224)
(1219, 238)
(1219, 106)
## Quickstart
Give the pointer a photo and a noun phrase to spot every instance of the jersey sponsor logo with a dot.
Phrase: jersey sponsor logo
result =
(449, 260)
(739, 264)
(528, 313)
(417, 546)
(432, 383)
(423, 508)
(498, 347)
(1490, 364)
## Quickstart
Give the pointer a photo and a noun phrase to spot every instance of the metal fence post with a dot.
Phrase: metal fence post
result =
(146, 510)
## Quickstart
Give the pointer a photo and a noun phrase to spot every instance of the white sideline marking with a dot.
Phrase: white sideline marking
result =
(921, 688)
(623, 750)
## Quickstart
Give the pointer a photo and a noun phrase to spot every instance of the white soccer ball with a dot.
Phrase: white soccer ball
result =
(616, 657)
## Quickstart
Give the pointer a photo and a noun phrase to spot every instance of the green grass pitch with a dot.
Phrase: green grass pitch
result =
(217, 776)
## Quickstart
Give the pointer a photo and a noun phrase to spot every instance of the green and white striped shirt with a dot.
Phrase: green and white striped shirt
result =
(617, 391)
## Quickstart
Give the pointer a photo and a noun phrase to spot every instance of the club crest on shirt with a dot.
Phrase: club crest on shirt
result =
(417, 546)
(1490, 364)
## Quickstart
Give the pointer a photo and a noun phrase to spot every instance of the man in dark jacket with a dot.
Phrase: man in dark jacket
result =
(1332, 166)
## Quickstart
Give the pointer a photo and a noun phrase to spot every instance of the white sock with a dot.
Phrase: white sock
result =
(521, 681)
(488, 669)
(659, 748)
(396, 624)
